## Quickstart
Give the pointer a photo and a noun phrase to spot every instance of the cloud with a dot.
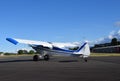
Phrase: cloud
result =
(102, 40)
(113, 34)
(117, 24)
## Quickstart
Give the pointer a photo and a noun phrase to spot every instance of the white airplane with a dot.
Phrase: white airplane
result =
(45, 49)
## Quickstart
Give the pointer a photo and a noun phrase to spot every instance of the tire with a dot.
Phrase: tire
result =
(46, 57)
(35, 58)
(85, 59)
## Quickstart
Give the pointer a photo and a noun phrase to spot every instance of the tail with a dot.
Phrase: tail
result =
(84, 50)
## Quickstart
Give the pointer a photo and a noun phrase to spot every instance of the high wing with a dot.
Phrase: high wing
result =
(29, 42)
(44, 44)
(65, 45)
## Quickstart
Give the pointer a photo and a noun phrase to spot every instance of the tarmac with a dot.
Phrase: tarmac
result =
(22, 68)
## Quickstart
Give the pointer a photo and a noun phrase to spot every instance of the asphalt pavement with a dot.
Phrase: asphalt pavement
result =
(22, 68)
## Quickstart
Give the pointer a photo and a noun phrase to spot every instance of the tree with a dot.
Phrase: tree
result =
(31, 52)
(114, 41)
(20, 51)
(25, 52)
(118, 42)
(1, 52)
(75, 48)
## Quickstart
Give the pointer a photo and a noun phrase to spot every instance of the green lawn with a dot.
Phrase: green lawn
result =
(15, 55)
(105, 54)
(92, 54)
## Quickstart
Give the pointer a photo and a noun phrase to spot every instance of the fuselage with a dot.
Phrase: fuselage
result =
(55, 50)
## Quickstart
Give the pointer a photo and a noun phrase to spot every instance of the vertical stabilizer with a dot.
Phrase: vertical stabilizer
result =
(84, 50)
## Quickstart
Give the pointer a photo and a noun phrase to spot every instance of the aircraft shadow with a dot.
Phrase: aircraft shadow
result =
(65, 61)
(11, 61)
(31, 60)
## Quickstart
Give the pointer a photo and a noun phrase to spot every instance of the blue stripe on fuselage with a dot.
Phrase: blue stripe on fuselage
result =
(81, 47)
(59, 49)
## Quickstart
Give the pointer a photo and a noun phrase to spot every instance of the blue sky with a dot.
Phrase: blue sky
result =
(57, 20)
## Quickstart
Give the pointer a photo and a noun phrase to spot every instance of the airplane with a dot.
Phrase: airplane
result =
(46, 49)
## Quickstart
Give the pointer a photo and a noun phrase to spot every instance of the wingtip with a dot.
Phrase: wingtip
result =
(12, 40)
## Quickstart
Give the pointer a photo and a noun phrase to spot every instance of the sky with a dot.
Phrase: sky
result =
(57, 20)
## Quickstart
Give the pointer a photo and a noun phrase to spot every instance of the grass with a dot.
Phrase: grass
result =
(104, 54)
(15, 55)
(92, 55)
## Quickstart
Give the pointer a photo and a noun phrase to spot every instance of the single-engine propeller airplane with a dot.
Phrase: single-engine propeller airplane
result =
(45, 49)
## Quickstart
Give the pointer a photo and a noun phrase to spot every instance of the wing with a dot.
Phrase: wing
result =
(64, 45)
(29, 42)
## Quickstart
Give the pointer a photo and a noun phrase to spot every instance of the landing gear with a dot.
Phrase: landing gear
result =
(36, 58)
(85, 59)
(46, 57)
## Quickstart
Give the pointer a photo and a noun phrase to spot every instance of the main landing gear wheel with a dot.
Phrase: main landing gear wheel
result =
(85, 59)
(35, 58)
(46, 57)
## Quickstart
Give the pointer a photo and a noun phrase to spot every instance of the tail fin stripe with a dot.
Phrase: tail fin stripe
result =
(81, 47)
